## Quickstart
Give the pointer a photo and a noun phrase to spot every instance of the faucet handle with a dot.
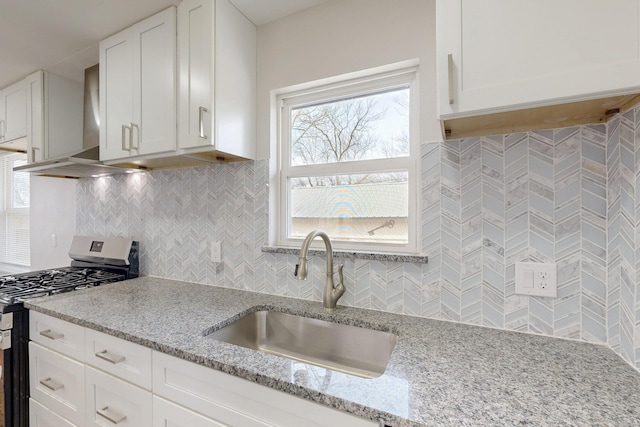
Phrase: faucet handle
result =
(341, 275)
(300, 271)
(340, 289)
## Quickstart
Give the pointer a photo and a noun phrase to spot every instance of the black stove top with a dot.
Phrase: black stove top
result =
(19, 287)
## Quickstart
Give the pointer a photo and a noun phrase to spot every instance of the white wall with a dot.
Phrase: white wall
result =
(53, 211)
(346, 36)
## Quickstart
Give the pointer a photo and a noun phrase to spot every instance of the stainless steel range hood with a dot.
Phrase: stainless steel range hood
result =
(83, 164)
(86, 162)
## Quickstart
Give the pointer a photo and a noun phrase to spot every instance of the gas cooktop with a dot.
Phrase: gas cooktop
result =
(18, 287)
(94, 261)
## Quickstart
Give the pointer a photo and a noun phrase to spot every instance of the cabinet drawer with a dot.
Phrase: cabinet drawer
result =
(57, 382)
(112, 401)
(39, 416)
(56, 334)
(167, 414)
(123, 359)
(234, 401)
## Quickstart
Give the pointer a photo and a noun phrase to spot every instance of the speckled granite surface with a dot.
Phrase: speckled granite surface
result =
(440, 373)
(417, 259)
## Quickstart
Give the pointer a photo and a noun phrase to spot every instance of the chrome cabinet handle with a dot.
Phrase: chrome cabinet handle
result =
(111, 415)
(33, 153)
(110, 357)
(52, 335)
(450, 73)
(51, 384)
(133, 125)
(4, 128)
(201, 112)
(124, 137)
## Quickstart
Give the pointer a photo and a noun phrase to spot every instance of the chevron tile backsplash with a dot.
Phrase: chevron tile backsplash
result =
(569, 196)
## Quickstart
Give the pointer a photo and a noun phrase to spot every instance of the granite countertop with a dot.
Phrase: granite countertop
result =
(440, 373)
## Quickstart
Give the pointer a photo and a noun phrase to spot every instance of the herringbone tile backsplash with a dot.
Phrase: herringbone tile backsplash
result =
(569, 195)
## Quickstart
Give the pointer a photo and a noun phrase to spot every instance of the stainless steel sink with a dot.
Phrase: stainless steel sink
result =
(351, 349)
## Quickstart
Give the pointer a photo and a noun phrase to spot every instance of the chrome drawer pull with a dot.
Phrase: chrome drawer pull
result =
(51, 384)
(52, 335)
(110, 357)
(201, 112)
(135, 126)
(111, 415)
(450, 76)
(124, 137)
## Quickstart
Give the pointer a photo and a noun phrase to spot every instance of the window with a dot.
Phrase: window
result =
(347, 163)
(14, 211)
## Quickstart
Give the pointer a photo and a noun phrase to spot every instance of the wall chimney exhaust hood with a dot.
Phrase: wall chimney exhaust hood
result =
(85, 162)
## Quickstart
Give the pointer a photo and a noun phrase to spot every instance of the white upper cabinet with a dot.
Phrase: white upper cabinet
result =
(138, 89)
(54, 116)
(501, 55)
(217, 74)
(13, 112)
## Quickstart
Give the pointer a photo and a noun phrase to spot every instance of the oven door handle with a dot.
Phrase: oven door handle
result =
(51, 384)
(52, 335)
(110, 357)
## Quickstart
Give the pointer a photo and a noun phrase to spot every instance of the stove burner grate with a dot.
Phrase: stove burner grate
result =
(20, 287)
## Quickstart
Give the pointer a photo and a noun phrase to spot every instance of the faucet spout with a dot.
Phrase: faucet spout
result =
(332, 293)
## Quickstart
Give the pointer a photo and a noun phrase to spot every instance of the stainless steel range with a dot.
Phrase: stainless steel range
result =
(95, 261)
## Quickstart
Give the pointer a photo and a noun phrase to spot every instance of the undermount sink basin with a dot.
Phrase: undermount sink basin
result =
(351, 349)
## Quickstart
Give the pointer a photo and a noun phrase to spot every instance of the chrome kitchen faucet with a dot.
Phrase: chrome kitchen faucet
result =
(331, 293)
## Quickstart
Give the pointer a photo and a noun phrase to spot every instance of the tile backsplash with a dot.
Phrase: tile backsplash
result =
(569, 196)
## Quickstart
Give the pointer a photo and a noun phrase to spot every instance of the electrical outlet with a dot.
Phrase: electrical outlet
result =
(536, 279)
(216, 251)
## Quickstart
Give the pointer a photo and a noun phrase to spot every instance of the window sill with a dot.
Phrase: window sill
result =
(375, 256)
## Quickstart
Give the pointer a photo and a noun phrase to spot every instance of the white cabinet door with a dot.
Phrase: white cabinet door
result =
(167, 414)
(234, 401)
(217, 75)
(57, 382)
(13, 113)
(39, 416)
(111, 401)
(57, 334)
(154, 71)
(123, 359)
(507, 55)
(34, 85)
(196, 52)
(116, 96)
(138, 89)
(54, 116)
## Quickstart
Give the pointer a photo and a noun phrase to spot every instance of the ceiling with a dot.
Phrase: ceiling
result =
(62, 36)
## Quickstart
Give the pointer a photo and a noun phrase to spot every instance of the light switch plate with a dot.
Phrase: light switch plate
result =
(216, 251)
(536, 279)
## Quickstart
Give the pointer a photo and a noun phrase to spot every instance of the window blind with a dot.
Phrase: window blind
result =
(14, 211)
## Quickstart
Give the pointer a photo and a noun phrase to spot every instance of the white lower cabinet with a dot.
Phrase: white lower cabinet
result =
(58, 335)
(236, 402)
(123, 359)
(40, 416)
(57, 382)
(168, 414)
(111, 401)
(114, 382)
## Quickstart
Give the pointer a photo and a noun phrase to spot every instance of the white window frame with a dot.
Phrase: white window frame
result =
(369, 83)
(9, 213)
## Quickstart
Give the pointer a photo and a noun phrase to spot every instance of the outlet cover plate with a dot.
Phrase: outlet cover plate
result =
(216, 251)
(536, 279)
